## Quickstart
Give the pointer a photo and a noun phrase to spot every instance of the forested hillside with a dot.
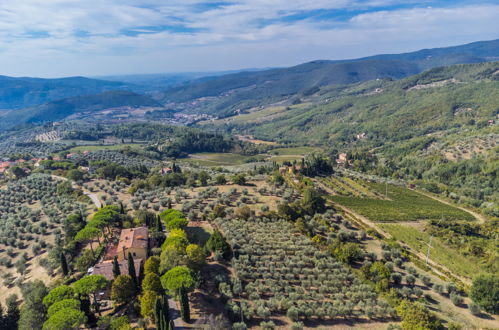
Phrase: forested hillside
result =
(25, 92)
(439, 126)
(229, 94)
(61, 109)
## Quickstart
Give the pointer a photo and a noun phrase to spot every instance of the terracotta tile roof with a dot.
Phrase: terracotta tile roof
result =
(105, 268)
(133, 238)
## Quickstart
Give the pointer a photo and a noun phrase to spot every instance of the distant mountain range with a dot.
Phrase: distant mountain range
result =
(451, 99)
(58, 110)
(16, 93)
(242, 90)
(37, 100)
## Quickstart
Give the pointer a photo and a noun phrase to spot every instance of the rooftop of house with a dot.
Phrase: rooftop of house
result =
(133, 238)
(105, 268)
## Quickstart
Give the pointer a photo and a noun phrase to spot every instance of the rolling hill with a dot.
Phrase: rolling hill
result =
(16, 93)
(229, 94)
(61, 109)
(440, 127)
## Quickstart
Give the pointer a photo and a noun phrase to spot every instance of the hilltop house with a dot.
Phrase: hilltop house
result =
(343, 159)
(134, 241)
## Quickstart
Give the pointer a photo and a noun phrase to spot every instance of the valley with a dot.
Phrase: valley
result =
(358, 194)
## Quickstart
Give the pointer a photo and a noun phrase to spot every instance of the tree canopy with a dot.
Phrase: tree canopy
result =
(123, 289)
(65, 319)
(177, 277)
(89, 284)
(57, 294)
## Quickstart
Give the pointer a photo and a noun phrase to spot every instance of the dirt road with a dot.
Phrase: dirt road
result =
(91, 195)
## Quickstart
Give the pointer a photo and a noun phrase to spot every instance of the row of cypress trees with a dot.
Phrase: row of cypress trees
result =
(161, 315)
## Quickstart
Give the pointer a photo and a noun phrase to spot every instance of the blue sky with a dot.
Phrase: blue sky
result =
(53, 38)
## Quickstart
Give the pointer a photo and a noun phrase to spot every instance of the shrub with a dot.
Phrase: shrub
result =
(485, 292)
(456, 299)
(410, 279)
(239, 326)
(293, 313)
(474, 309)
(438, 288)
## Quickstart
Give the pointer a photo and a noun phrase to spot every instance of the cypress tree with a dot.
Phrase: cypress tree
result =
(185, 311)
(131, 269)
(158, 312)
(159, 228)
(116, 267)
(64, 265)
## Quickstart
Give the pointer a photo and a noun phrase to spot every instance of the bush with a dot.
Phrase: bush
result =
(267, 325)
(438, 288)
(396, 278)
(485, 292)
(426, 280)
(456, 299)
(475, 309)
(239, 326)
(293, 313)
(410, 279)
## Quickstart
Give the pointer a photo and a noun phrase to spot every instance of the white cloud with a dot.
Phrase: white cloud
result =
(85, 37)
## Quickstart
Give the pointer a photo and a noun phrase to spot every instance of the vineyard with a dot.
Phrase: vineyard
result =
(281, 273)
(401, 204)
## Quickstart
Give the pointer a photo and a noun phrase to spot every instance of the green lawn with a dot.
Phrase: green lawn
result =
(440, 253)
(404, 205)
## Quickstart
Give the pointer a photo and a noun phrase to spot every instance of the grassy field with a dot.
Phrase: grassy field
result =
(294, 151)
(440, 253)
(104, 147)
(403, 205)
(219, 159)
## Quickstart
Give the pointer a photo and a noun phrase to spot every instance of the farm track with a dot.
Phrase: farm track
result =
(91, 195)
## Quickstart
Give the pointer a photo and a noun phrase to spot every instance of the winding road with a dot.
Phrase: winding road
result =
(91, 195)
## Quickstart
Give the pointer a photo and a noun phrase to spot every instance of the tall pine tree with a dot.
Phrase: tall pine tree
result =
(116, 267)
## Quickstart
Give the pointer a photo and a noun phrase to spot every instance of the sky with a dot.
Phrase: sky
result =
(56, 38)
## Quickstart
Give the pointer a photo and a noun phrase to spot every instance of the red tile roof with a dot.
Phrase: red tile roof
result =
(105, 268)
(133, 238)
